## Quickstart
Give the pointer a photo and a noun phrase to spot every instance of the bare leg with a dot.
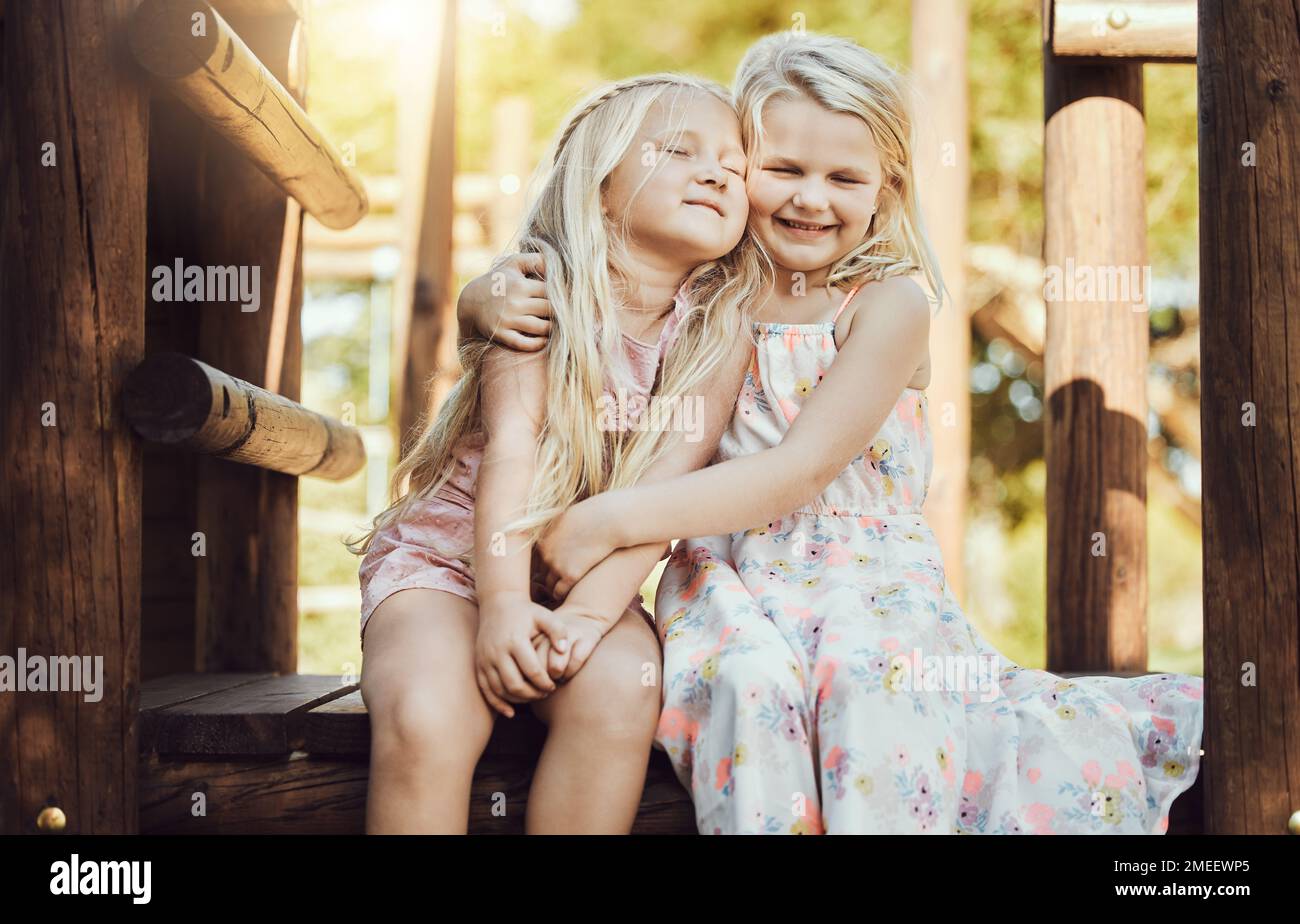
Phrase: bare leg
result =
(602, 723)
(429, 723)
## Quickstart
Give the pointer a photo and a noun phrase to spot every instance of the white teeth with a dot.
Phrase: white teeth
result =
(804, 226)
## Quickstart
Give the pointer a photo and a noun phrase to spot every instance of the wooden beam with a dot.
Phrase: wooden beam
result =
(182, 402)
(74, 145)
(1250, 411)
(216, 75)
(1135, 30)
(1095, 415)
(939, 61)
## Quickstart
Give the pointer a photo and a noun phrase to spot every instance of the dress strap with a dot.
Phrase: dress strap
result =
(848, 298)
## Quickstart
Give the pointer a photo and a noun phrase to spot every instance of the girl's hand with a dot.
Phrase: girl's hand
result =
(556, 661)
(506, 663)
(507, 304)
(574, 543)
(584, 630)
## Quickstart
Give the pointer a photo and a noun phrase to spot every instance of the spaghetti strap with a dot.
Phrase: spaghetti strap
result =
(848, 298)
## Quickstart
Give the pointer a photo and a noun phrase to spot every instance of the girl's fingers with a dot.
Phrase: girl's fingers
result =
(557, 664)
(533, 263)
(562, 588)
(555, 629)
(530, 324)
(534, 290)
(533, 667)
(582, 650)
(492, 699)
(524, 343)
(498, 684)
(518, 689)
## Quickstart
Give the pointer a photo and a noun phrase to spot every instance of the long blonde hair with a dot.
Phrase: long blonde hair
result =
(842, 76)
(585, 259)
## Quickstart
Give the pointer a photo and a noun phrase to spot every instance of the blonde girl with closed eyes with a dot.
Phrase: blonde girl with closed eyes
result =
(631, 242)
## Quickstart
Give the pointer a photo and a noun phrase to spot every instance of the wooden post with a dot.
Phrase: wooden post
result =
(74, 144)
(1094, 255)
(1247, 83)
(939, 29)
(424, 326)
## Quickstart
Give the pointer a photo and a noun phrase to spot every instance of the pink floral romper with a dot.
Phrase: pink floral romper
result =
(819, 676)
(404, 555)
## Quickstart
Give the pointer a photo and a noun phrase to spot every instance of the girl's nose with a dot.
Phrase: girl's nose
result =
(715, 175)
(812, 198)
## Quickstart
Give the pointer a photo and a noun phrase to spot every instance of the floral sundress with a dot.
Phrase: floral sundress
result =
(820, 677)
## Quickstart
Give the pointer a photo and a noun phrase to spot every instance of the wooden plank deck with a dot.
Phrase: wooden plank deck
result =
(289, 754)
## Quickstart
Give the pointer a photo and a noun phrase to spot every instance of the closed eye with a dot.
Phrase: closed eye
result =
(782, 170)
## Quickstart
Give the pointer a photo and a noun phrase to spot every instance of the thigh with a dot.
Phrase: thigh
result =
(418, 667)
(622, 672)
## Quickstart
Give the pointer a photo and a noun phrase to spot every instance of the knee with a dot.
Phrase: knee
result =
(616, 698)
(746, 681)
(752, 674)
(415, 724)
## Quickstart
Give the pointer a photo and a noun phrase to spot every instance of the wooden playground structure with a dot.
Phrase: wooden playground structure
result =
(151, 451)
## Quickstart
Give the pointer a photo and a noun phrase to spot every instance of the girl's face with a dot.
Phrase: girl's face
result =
(692, 208)
(813, 193)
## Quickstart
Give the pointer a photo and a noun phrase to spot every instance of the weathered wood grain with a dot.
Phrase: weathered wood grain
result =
(1248, 91)
(187, 404)
(73, 160)
(215, 74)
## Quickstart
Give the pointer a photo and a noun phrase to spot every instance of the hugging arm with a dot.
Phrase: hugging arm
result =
(885, 346)
(604, 591)
(507, 304)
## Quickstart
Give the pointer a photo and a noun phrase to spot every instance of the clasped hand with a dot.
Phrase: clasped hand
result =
(524, 650)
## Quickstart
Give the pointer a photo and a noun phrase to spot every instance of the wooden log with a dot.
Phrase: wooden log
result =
(185, 403)
(1095, 364)
(939, 61)
(74, 145)
(216, 75)
(1247, 81)
(1135, 30)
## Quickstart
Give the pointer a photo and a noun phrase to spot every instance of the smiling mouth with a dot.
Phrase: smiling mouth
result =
(803, 227)
(708, 205)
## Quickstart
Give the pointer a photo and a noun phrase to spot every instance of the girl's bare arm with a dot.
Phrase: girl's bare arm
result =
(885, 346)
(604, 592)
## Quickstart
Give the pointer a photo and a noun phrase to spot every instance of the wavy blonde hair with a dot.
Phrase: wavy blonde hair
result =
(842, 76)
(586, 264)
